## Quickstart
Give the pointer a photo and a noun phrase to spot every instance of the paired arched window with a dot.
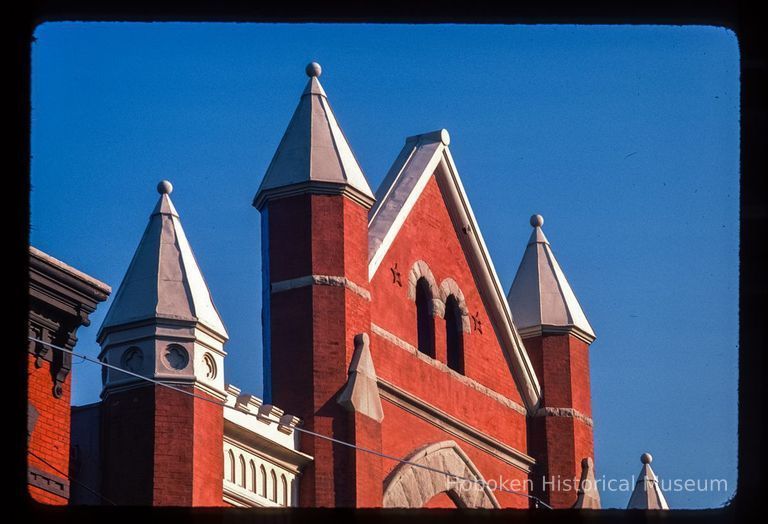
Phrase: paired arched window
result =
(424, 321)
(453, 335)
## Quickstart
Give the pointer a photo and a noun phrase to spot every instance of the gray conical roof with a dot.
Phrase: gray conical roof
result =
(163, 279)
(647, 493)
(540, 297)
(314, 154)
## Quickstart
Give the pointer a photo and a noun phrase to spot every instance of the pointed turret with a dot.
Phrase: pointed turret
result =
(163, 299)
(314, 156)
(647, 493)
(314, 203)
(557, 337)
(163, 280)
(163, 326)
(541, 300)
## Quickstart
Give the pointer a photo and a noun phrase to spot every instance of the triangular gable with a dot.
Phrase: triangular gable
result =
(422, 156)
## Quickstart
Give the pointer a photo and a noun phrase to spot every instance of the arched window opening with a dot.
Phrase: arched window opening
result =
(263, 472)
(453, 335)
(242, 472)
(253, 476)
(424, 322)
(285, 489)
(231, 465)
(273, 498)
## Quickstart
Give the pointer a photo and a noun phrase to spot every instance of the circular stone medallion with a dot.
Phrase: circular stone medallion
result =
(175, 357)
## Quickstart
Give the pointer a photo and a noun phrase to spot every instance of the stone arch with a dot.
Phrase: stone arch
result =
(420, 269)
(449, 287)
(410, 486)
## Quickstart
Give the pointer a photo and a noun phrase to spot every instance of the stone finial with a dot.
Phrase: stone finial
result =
(313, 69)
(165, 187)
(537, 220)
(646, 458)
(361, 394)
(588, 496)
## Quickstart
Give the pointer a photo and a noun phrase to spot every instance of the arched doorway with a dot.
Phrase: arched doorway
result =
(410, 486)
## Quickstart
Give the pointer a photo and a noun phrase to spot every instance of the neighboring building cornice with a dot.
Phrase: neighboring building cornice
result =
(61, 300)
(45, 264)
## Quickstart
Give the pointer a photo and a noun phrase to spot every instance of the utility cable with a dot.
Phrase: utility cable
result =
(537, 501)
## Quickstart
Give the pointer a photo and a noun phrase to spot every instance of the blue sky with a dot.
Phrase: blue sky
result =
(626, 139)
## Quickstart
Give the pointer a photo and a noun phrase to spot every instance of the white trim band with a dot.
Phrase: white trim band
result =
(320, 280)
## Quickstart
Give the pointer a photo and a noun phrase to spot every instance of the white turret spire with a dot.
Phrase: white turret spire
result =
(162, 323)
(314, 155)
(647, 493)
(164, 280)
(540, 298)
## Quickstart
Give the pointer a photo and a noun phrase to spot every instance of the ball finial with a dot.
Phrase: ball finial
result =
(314, 69)
(164, 187)
(537, 220)
(646, 458)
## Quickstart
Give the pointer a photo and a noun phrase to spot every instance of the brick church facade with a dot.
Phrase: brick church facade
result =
(385, 327)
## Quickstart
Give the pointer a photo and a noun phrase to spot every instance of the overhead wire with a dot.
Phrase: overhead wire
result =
(537, 501)
(66, 475)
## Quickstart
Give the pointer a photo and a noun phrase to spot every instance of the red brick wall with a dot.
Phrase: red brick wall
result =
(428, 234)
(441, 500)
(162, 447)
(368, 469)
(51, 435)
(208, 468)
(312, 330)
(403, 432)
(559, 443)
(127, 443)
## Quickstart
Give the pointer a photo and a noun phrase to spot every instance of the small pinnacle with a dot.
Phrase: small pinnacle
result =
(537, 220)
(314, 69)
(164, 187)
(646, 458)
